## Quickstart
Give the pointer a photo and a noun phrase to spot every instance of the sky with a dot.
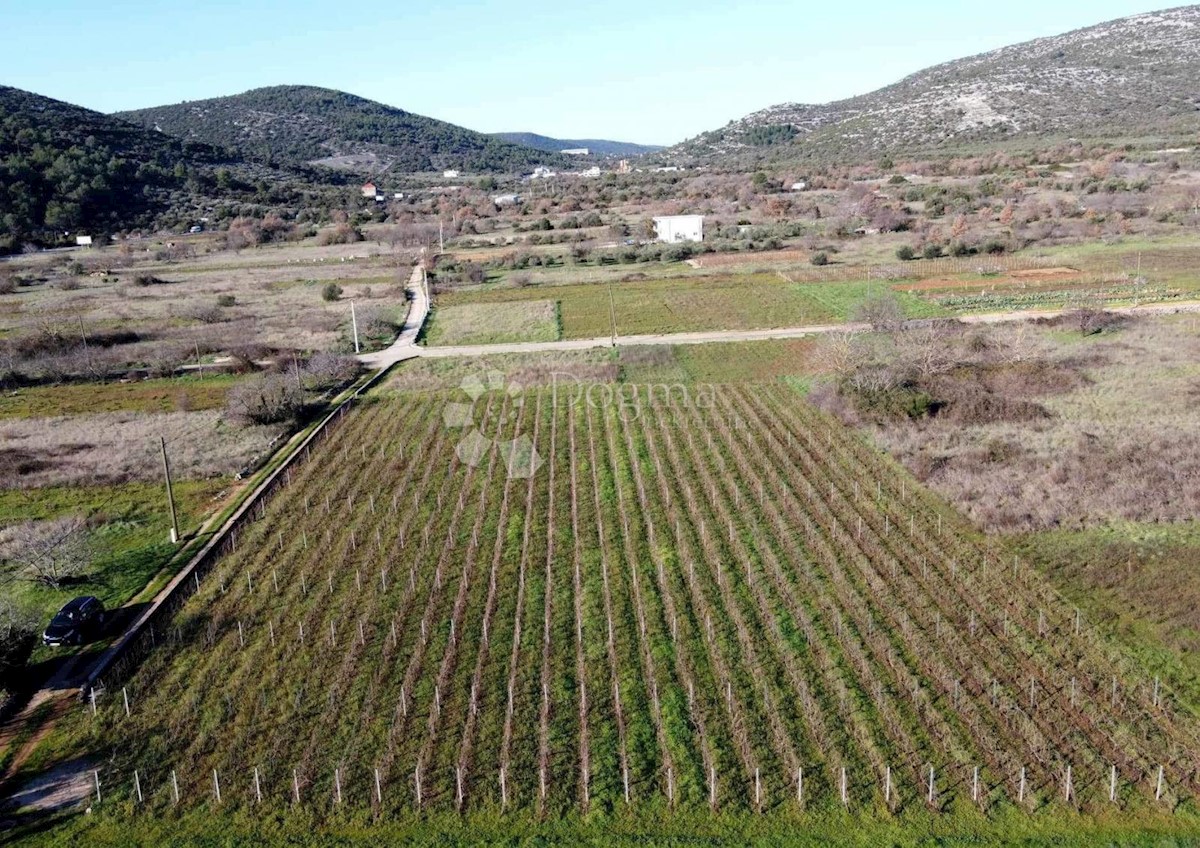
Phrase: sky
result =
(649, 72)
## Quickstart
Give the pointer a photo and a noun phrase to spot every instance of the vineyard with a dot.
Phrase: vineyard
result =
(720, 600)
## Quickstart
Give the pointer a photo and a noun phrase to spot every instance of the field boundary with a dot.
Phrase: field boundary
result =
(132, 645)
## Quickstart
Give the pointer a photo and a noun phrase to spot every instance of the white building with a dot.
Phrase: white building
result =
(676, 228)
(541, 172)
(83, 241)
(450, 175)
(593, 171)
(575, 151)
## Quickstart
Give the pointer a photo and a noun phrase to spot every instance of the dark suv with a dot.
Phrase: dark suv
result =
(78, 621)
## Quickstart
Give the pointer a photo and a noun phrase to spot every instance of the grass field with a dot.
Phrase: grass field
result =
(690, 303)
(494, 323)
(161, 395)
(706, 605)
(130, 543)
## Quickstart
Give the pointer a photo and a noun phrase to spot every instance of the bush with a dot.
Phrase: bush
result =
(204, 314)
(8, 284)
(905, 253)
(331, 292)
(820, 258)
(932, 251)
(341, 234)
(328, 370)
(994, 246)
(68, 284)
(226, 300)
(959, 248)
(264, 399)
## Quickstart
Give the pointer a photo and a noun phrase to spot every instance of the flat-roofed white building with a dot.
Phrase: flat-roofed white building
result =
(676, 228)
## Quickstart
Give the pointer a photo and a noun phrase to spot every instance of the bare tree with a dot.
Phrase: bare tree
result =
(926, 348)
(48, 552)
(882, 311)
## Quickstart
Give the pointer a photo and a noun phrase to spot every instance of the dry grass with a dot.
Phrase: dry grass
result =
(116, 447)
(276, 303)
(1119, 446)
(495, 323)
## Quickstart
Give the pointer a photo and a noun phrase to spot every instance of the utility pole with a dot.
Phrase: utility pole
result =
(86, 350)
(354, 321)
(441, 238)
(170, 494)
(612, 313)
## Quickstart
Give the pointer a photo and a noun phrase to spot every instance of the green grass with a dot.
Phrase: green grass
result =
(130, 542)
(690, 303)
(1138, 582)
(494, 323)
(641, 826)
(159, 395)
(841, 299)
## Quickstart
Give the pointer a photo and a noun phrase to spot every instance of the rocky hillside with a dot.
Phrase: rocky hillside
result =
(293, 124)
(1128, 78)
(596, 146)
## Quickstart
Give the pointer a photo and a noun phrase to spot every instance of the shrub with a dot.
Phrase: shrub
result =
(226, 300)
(329, 370)
(68, 284)
(932, 251)
(340, 234)
(820, 258)
(993, 246)
(204, 314)
(959, 248)
(905, 253)
(330, 292)
(8, 284)
(264, 399)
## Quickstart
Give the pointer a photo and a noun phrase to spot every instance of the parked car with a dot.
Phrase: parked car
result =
(77, 622)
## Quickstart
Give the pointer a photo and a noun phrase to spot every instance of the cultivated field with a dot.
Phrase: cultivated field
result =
(712, 600)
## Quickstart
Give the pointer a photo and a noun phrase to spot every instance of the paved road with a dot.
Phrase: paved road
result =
(405, 347)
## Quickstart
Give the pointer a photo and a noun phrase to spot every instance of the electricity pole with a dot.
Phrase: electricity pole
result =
(170, 494)
(441, 238)
(612, 313)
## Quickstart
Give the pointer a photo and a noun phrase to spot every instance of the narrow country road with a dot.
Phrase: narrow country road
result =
(405, 345)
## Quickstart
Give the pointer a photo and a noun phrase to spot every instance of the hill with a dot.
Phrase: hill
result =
(1129, 78)
(597, 146)
(64, 168)
(305, 124)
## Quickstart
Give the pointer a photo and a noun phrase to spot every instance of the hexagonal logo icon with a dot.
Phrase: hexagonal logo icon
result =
(484, 429)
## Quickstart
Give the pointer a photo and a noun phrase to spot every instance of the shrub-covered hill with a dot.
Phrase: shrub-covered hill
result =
(294, 123)
(64, 169)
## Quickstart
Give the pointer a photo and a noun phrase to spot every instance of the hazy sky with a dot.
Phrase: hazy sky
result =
(651, 72)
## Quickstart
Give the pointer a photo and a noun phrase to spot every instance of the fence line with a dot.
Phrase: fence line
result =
(938, 789)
